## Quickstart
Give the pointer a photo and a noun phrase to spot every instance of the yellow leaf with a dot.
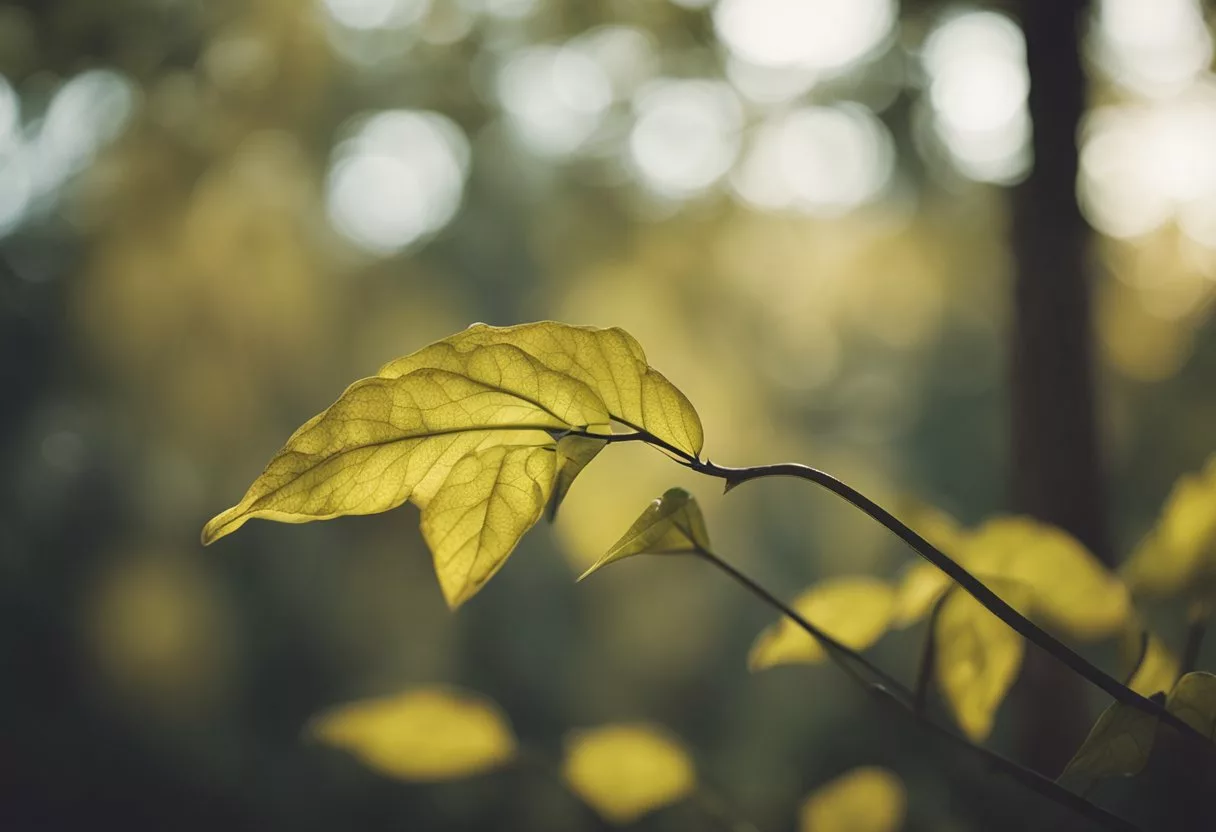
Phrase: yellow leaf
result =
(1070, 587)
(977, 659)
(485, 505)
(671, 524)
(919, 588)
(868, 799)
(1193, 700)
(388, 440)
(608, 361)
(626, 771)
(855, 611)
(1179, 553)
(426, 734)
(1154, 671)
(574, 453)
(1119, 744)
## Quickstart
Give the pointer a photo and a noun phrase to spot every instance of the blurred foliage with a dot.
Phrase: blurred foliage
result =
(180, 287)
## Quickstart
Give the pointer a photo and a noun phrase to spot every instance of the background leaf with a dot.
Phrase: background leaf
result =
(626, 771)
(868, 799)
(856, 611)
(671, 524)
(1153, 672)
(978, 657)
(426, 734)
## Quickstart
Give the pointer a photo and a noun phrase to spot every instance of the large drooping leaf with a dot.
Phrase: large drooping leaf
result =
(626, 771)
(855, 611)
(671, 524)
(388, 440)
(1118, 745)
(868, 799)
(977, 659)
(1193, 700)
(426, 734)
(1179, 553)
(609, 361)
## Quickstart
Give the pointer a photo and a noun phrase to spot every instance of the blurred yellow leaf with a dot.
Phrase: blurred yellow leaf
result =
(1179, 553)
(1152, 665)
(918, 590)
(1118, 745)
(485, 505)
(978, 657)
(1193, 700)
(426, 734)
(626, 771)
(671, 524)
(608, 361)
(856, 611)
(1069, 586)
(868, 799)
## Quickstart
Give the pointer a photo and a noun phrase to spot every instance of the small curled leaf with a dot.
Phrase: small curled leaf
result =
(1193, 700)
(671, 524)
(868, 799)
(423, 735)
(574, 453)
(1118, 745)
(855, 611)
(626, 771)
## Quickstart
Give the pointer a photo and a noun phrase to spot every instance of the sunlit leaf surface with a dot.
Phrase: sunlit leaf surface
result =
(1119, 744)
(608, 361)
(626, 771)
(426, 734)
(671, 524)
(486, 504)
(1179, 553)
(868, 799)
(856, 611)
(918, 590)
(1193, 700)
(978, 657)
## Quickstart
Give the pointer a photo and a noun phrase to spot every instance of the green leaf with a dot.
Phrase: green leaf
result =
(868, 799)
(1179, 553)
(485, 505)
(1193, 700)
(426, 734)
(855, 611)
(671, 524)
(626, 771)
(1118, 745)
(608, 361)
(574, 453)
(977, 659)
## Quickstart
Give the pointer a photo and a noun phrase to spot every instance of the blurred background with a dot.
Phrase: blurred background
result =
(820, 218)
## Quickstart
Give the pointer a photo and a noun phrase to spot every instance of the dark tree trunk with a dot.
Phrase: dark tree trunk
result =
(1056, 465)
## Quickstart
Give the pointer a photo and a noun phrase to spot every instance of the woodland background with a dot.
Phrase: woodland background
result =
(213, 215)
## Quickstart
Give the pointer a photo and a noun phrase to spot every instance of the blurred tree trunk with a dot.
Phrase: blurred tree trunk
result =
(1056, 465)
